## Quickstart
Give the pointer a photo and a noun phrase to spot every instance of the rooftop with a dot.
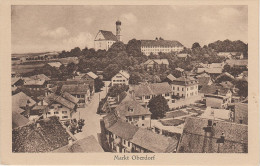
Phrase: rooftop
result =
(85, 145)
(75, 89)
(154, 142)
(45, 137)
(213, 89)
(158, 61)
(108, 35)
(184, 81)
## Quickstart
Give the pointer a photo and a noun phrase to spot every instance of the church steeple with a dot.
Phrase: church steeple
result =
(118, 30)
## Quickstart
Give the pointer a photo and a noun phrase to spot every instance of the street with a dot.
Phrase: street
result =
(92, 120)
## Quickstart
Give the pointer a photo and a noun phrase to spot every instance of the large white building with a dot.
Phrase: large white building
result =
(156, 46)
(105, 39)
(122, 77)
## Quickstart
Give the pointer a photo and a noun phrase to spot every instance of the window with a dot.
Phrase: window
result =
(49, 112)
(64, 117)
(59, 106)
(167, 94)
(142, 124)
(82, 96)
(56, 112)
(182, 89)
(147, 97)
(124, 142)
(178, 88)
(173, 88)
(64, 112)
(130, 119)
(240, 121)
(128, 144)
(187, 89)
(142, 117)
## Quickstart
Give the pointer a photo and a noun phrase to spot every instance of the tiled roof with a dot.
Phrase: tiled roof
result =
(203, 75)
(110, 119)
(56, 98)
(227, 84)
(160, 43)
(123, 108)
(92, 75)
(225, 74)
(124, 73)
(123, 129)
(171, 77)
(69, 97)
(194, 139)
(212, 89)
(179, 69)
(151, 89)
(40, 77)
(85, 145)
(108, 35)
(154, 142)
(158, 61)
(185, 81)
(75, 89)
(46, 137)
(21, 100)
(235, 62)
(18, 120)
(241, 112)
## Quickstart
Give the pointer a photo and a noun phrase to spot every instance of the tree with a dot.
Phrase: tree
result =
(133, 48)
(115, 90)
(98, 84)
(195, 45)
(158, 107)
(117, 47)
(135, 78)
(242, 88)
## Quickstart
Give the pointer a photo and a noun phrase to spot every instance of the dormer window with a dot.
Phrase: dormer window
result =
(131, 109)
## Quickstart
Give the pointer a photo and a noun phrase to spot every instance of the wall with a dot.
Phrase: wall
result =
(59, 110)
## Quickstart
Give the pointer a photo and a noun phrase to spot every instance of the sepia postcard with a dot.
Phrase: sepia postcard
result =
(129, 82)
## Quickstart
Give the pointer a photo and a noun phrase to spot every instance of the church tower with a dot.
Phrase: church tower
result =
(118, 30)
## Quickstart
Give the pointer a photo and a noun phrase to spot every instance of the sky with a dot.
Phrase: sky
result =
(57, 28)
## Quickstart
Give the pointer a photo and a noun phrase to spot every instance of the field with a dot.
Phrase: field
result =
(21, 68)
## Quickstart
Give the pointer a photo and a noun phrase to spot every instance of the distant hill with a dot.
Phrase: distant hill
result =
(33, 54)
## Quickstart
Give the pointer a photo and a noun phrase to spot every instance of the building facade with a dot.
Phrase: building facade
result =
(184, 87)
(156, 46)
(120, 78)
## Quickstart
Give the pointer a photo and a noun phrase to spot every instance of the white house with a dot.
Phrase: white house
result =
(122, 77)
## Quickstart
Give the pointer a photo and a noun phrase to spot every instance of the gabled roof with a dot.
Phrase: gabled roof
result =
(21, 100)
(185, 81)
(92, 75)
(110, 119)
(237, 62)
(226, 84)
(47, 136)
(225, 74)
(171, 77)
(40, 77)
(75, 89)
(179, 69)
(84, 145)
(203, 75)
(151, 89)
(161, 43)
(194, 140)
(212, 89)
(30, 81)
(123, 111)
(61, 99)
(18, 120)
(123, 129)
(154, 142)
(108, 35)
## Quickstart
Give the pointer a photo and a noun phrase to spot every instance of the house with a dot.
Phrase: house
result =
(41, 136)
(227, 55)
(122, 77)
(237, 62)
(123, 137)
(217, 114)
(156, 64)
(224, 77)
(80, 91)
(119, 134)
(144, 92)
(85, 145)
(203, 75)
(216, 96)
(241, 113)
(104, 40)
(184, 87)
(22, 104)
(62, 105)
(202, 135)
(55, 64)
(211, 71)
(35, 84)
(146, 141)
(131, 111)
(159, 45)
(92, 75)
(18, 120)
(40, 77)
(38, 112)
(227, 84)
(16, 82)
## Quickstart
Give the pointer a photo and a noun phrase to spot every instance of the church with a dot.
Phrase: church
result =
(105, 39)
